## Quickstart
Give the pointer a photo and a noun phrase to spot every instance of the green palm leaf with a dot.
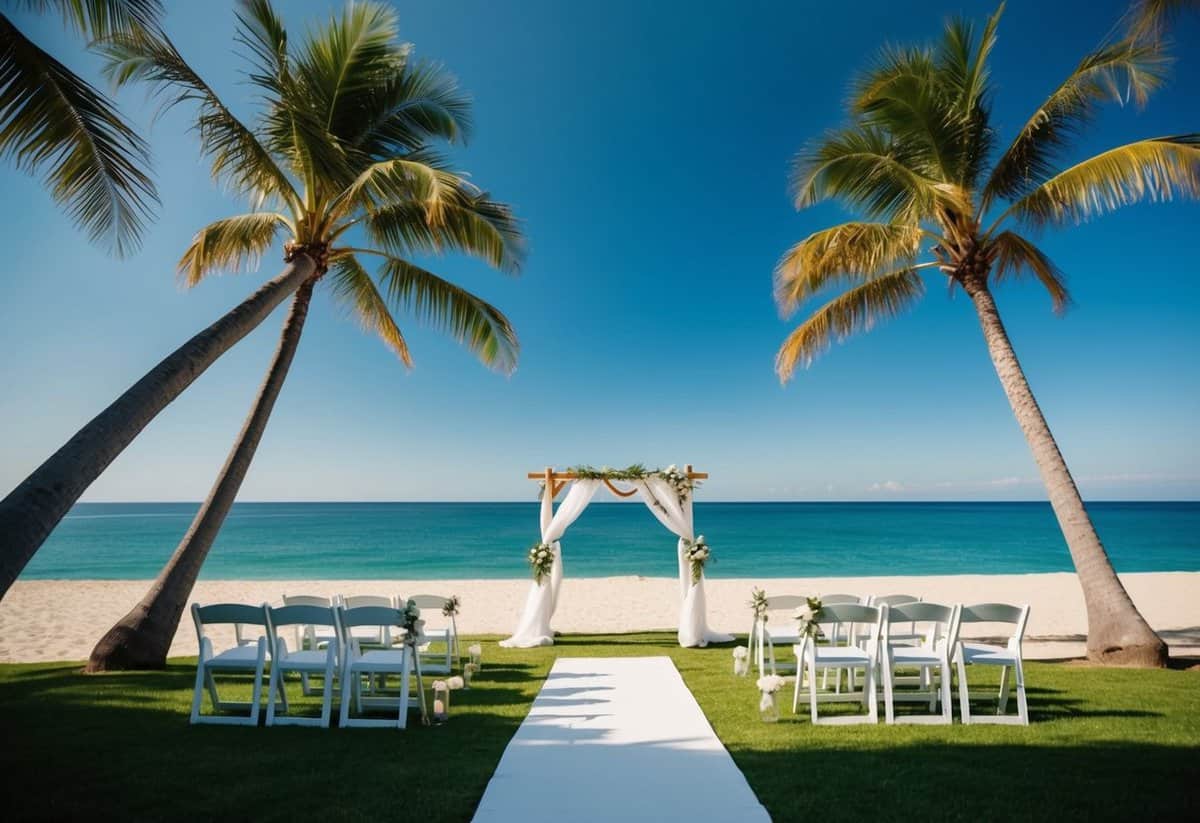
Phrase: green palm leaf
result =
(416, 105)
(232, 243)
(354, 289)
(473, 223)
(1155, 169)
(472, 321)
(1111, 73)
(1014, 256)
(846, 254)
(101, 18)
(54, 123)
(857, 310)
(236, 154)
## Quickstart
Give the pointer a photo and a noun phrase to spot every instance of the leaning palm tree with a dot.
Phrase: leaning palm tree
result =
(343, 148)
(916, 161)
(56, 124)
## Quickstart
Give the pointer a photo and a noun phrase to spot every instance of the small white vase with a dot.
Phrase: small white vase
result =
(768, 708)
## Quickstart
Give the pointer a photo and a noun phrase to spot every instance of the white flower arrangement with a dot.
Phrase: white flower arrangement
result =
(451, 606)
(770, 683)
(541, 560)
(455, 682)
(758, 602)
(440, 686)
(806, 617)
(740, 653)
(698, 553)
(475, 650)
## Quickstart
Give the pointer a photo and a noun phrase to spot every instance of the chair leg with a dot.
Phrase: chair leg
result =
(1022, 706)
(272, 687)
(256, 694)
(210, 683)
(889, 710)
(1002, 705)
(947, 705)
(402, 721)
(327, 697)
(869, 688)
(198, 692)
(812, 683)
(964, 693)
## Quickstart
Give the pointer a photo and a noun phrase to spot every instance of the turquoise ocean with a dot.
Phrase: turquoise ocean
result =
(489, 540)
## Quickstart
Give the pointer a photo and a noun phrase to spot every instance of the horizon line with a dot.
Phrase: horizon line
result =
(617, 502)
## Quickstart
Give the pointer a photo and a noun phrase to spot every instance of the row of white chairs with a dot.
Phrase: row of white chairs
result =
(877, 639)
(345, 663)
(437, 629)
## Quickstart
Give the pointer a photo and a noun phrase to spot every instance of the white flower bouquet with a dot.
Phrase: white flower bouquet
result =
(758, 602)
(741, 661)
(770, 683)
(806, 618)
(541, 561)
(698, 554)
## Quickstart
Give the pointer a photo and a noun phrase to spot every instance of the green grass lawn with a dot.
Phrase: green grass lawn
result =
(1105, 743)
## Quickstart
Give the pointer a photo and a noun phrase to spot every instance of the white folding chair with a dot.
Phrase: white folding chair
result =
(431, 609)
(1006, 656)
(903, 636)
(370, 664)
(932, 656)
(241, 658)
(374, 636)
(305, 662)
(776, 626)
(863, 621)
(839, 634)
(308, 637)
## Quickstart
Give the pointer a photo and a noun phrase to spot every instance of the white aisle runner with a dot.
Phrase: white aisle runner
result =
(616, 739)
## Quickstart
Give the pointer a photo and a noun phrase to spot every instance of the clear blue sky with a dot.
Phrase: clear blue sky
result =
(646, 146)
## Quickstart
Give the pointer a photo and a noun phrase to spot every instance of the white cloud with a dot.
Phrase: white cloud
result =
(887, 486)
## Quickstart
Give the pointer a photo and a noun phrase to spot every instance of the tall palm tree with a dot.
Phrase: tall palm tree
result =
(56, 124)
(342, 147)
(916, 161)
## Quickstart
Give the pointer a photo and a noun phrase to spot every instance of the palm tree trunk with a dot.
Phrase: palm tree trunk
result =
(1117, 632)
(31, 511)
(142, 638)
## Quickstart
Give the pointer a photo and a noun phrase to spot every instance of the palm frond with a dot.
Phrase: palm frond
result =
(1149, 19)
(856, 310)
(869, 170)
(410, 108)
(263, 33)
(470, 320)
(1015, 255)
(1115, 72)
(849, 253)
(348, 57)
(962, 68)
(54, 123)
(421, 179)
(101, 18)
(1155, 169)
(237, 156)
(232, 244)
(354, 289)
(471, 222)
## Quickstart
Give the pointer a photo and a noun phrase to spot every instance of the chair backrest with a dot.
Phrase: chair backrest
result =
(894, 599)
(370, 616)
(357, 601)
(302, 616)
(225, 613)
(944, 620)
(218, 614)
(999, 613)
(840, 599)
(428, 601)
(861, 621)
(307, 600)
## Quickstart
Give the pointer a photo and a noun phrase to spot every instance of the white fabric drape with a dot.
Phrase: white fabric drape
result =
(663, 501)
(534, 626)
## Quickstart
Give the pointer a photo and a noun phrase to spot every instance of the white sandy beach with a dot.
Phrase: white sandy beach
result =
(62, 619)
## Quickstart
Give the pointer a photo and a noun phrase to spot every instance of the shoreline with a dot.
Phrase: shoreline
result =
(54, 619)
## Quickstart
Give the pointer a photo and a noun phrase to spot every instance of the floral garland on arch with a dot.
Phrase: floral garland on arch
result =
(806, 618)
(541, 561)
(698, 554)
(680, 482)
